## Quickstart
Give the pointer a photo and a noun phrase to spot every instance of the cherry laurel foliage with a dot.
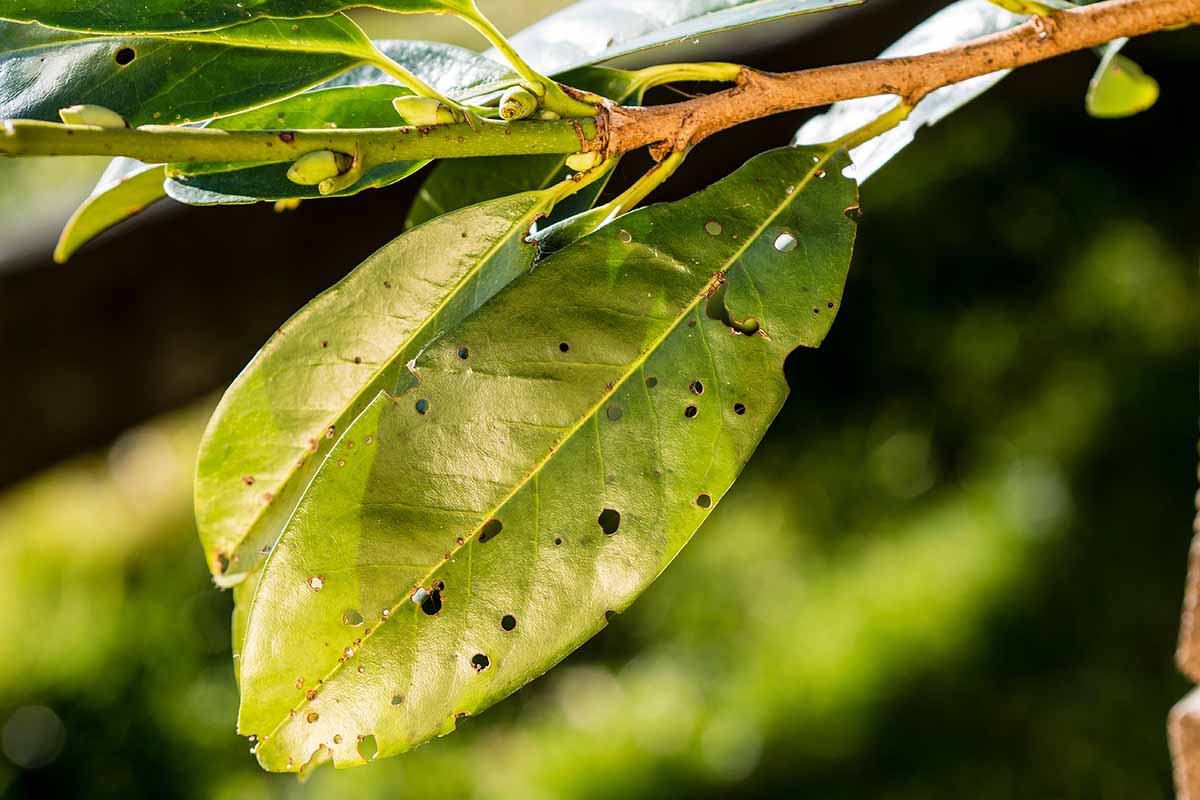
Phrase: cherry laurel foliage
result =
(446, 472)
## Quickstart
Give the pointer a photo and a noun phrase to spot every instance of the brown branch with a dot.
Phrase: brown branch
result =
(760, 94)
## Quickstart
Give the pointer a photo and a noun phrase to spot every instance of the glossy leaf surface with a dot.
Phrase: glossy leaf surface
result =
(164, 16)
(957, 23)
(1120, 88)
(126, 188)
(456, 183)
(324, 365)
(540, 464)
(171, 79)
(593, 31)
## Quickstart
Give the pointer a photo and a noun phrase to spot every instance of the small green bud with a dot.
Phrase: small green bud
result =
(312, 168)
(99, 116)
(517, 103)
(422, 111)
(582, 162)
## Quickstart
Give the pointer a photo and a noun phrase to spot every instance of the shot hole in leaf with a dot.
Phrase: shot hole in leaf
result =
(563, 347)
(691, 411)
(480, 662)
(610, 520)
(491, 529)
(697, 387)
(124, 56)
(614, 412)
(704, 500)
(367, 747)
(422, 406)
(352, 617)
(651, 382)
(508, 622)
(432, 603)
(397, 699)
(739, 408)
(464, 353)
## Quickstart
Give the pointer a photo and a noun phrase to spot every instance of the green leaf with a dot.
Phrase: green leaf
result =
(593, 31)
(324, 365)
(164, 16)
(455, 183)
(172, 79)
(955, 24)
(125, 189)
(540, 464)
(342, 107)
(1119, 88)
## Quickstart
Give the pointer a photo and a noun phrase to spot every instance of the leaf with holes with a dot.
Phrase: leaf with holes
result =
(458, 182)
(126, 188)
(163, 16)
(593, 31)
(170, 79)
(324, 365)
(539, 464)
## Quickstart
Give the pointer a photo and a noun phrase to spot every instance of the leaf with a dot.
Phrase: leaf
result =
(163, 16)
(957, 23)
(324, 365)
(171, 79)
(343, 107)
(1119, 88)
(540, 482)
(593, 31)
(459, 182)
(126, 188)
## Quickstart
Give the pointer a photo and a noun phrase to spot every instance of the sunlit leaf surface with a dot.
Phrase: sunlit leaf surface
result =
(539, 464)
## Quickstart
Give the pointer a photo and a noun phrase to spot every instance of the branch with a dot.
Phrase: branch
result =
(619, 129)
(168, 144)
(912, 78)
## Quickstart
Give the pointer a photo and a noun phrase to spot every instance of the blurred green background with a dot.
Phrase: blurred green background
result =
(953, 569)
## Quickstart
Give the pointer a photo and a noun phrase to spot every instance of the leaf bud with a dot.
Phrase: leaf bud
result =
(582, 162)
(517, 103)
(317, 166)
(422, 110)
(98, 116)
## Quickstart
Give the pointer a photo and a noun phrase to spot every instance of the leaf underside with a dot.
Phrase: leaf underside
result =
(538, 465)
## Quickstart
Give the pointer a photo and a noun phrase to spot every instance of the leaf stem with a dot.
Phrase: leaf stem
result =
(714, 71)
(876, 127)
(553, 97)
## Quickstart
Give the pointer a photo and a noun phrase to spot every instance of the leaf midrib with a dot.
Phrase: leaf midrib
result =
(633, 368)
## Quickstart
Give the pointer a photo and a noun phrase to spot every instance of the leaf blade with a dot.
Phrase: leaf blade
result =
(280, 416)
(126, 188)
(532, 435)
(166, 79)
(593, 31)
(166, 16)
